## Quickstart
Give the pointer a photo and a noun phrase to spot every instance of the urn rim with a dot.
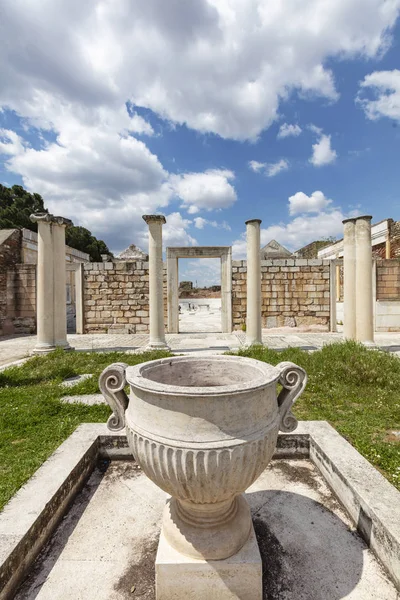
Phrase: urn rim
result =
(262, 375)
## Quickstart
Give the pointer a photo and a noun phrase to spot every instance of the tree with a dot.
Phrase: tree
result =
(16, 206)
(82, 239)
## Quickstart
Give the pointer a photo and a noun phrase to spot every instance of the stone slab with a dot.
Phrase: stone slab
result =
(179, 577)
(72, 381)
(88, 399)
(372, 502)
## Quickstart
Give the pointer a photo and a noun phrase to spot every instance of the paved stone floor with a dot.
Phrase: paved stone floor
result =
(13, 348)
(106, 545)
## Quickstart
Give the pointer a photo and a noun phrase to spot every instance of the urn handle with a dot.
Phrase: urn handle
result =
(111, 383)
(293, 379)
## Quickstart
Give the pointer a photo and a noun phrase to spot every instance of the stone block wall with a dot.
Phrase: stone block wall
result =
(116, 297)
(388, 279)
(21, 299)
(294, 292)
(10, 256)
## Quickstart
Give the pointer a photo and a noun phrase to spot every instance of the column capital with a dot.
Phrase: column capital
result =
(364, 218)
(41, 217)
(62, 221)
(154, 218)
(349, 220)
(259, 221)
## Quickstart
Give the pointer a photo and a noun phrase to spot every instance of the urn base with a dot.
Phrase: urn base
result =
(207, 531)
(179, 577)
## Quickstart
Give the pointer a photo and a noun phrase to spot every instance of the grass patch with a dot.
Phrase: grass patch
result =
(33, 420)
(356, 390)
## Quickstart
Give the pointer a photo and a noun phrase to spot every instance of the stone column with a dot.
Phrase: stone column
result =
(226, 292)
(79, 298)
(172, 292)
(349, 280)
(60, 282)
(45, 288)
(253, 323)
(156, 304)
(364, 304)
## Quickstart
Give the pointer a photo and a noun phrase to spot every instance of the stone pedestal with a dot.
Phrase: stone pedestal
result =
(363, 281)
(156, 303)
(45, 284)
(253, 321)
(60, 283)
(349, 279)
(179, 577)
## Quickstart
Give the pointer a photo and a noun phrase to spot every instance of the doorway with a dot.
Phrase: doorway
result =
(224, 253)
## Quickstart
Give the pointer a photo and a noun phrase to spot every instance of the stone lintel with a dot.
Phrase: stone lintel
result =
(198, 251)
(153, 218)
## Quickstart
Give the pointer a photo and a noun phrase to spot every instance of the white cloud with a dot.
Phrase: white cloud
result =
(219, 66)
(297, 233)
(102, 180)
(175, 231)
(273, 169)
(204, 272)
(256, 166)
(10, 142)
(314, 129)
(322, 153)
(385, 85)
(269, 169)
(140, 125)
(105, 179)
(200, 223)
(210, 190)
(301, 203)
(286, 130)
(302, 229)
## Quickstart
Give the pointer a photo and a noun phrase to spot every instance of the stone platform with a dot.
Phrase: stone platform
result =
(106, 546)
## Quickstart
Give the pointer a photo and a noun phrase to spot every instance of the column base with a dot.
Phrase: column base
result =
(43, 349)
(179, 577)
(249, 343)
(65, 347)
(157, 346)
(368, 344)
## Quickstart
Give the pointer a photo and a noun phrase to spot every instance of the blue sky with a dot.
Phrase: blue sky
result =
(115, 109)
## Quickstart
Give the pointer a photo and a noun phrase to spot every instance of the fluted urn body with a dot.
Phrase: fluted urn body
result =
(203, 429)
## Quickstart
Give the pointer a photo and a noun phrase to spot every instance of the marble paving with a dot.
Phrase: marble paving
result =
(14, 348)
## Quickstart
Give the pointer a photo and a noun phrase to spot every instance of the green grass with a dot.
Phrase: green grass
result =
(355, 389)
(33, 420)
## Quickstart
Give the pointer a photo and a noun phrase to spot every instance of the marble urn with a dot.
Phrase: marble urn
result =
(203, 429)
